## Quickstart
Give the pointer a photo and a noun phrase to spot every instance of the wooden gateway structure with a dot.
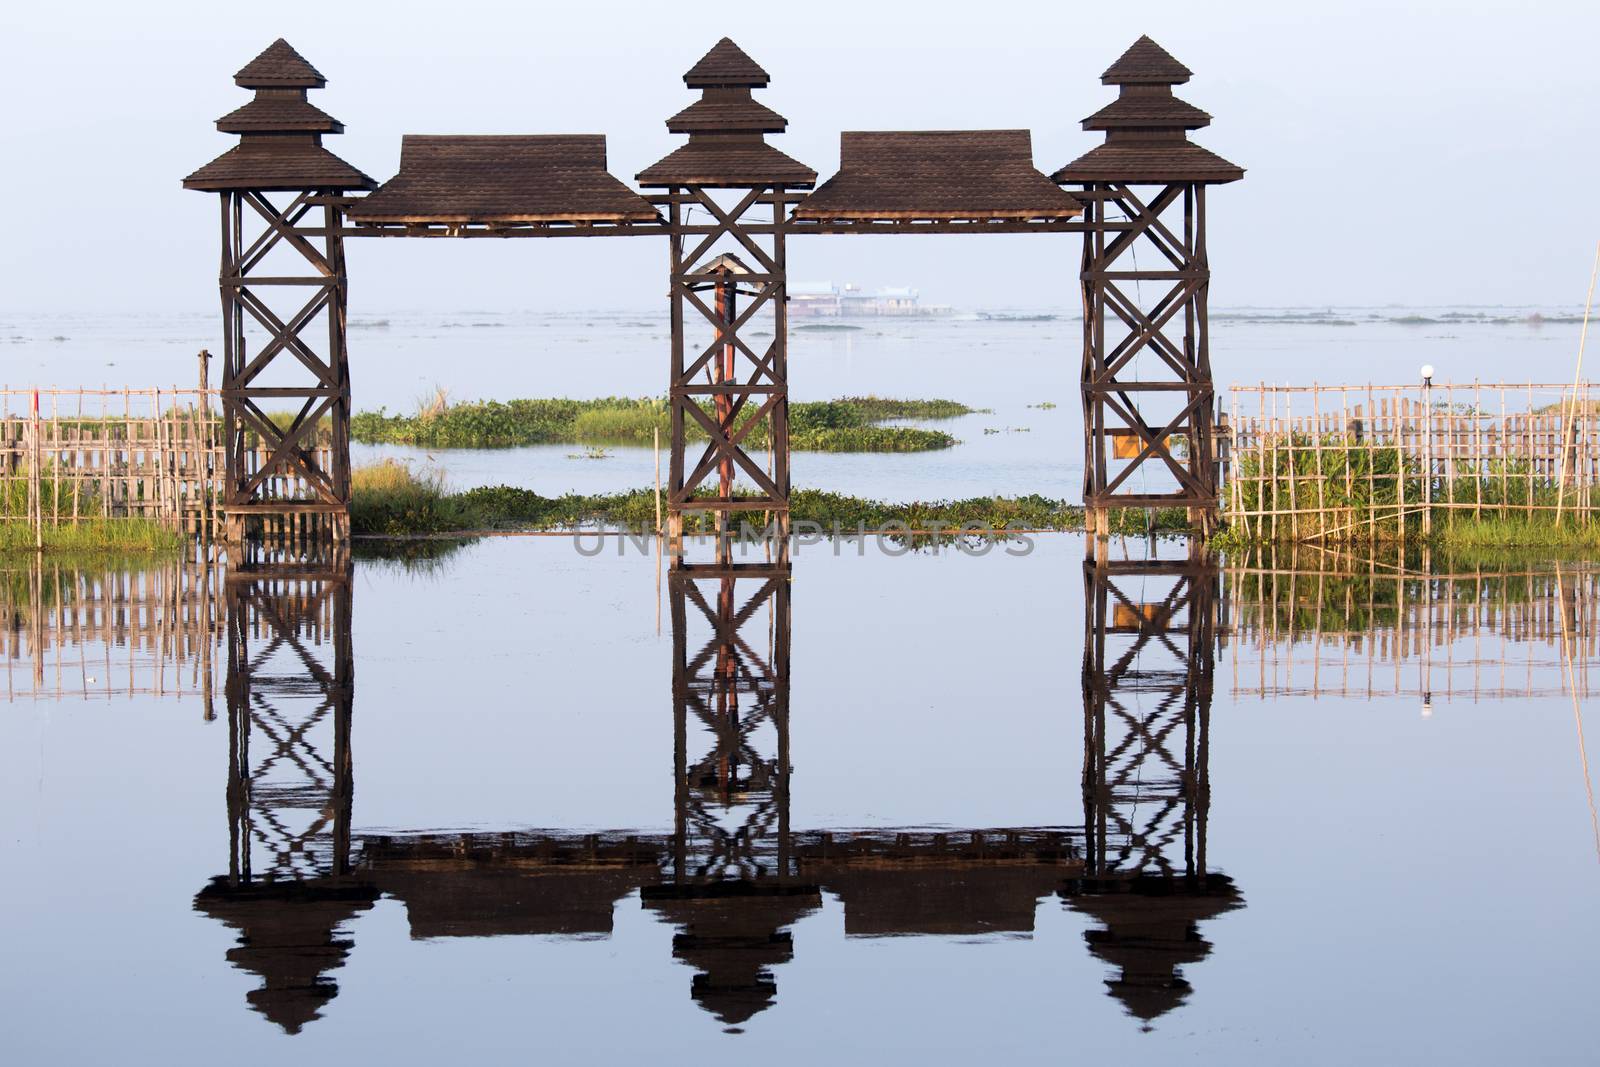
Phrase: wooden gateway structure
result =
(727, 202)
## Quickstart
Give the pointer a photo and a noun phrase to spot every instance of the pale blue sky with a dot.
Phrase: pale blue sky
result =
(1406, 152)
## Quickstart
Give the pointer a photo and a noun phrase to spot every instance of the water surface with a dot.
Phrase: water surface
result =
(932, 805)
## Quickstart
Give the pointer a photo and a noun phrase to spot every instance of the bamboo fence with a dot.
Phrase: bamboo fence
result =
(1308, 622)
(67, 455)
(1347, 463)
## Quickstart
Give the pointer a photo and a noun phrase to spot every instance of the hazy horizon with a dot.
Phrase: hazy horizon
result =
(1375, 138)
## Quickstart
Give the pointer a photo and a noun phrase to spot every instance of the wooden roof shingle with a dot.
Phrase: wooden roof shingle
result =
(274, 111)
(522, 178)
(728, 164)
(1150, 162)
(937, 174)
(725, 64)
(277, 166)
(1146, 63)
(279, 67)
(723, 115)
(1156, 111)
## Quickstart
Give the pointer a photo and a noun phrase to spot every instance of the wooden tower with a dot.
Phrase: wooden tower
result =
(728, 191)
(283, 287)
(1148, 438)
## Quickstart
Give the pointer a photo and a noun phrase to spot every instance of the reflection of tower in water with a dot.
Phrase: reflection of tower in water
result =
(289, 884)
(1149, 657)
(733, 888)
(732, 876)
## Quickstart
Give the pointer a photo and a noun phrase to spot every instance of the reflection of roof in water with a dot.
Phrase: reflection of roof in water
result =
(1150, 929)
(733, 934)
(486, 885)
(286, 936)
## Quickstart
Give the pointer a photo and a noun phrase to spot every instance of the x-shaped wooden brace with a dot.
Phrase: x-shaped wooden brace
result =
(286, 335)
(728, 223)
(1155, 442)
(724, 444)
(1148, 225)
(287, 455)
(280, 227)
(1147, 330)
(728, 333)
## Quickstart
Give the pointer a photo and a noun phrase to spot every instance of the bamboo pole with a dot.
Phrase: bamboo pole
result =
(35, 480)
(1321, 475)
(1577, 376)
(1479, 460)
(1427, 458)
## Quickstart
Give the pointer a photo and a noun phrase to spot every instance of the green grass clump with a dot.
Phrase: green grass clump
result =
(90, 533)
(96, 535)
(848, 425)
(1518, 531)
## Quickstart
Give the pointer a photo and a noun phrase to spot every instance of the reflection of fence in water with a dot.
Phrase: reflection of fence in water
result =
(1327, 624)
(97, 632)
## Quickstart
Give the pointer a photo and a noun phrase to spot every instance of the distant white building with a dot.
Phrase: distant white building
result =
(827, 300)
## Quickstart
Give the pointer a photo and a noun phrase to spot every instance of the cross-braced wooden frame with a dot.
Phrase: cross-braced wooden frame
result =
(1130, 309)
(1147, 676)
(730, 386)
(292, 475)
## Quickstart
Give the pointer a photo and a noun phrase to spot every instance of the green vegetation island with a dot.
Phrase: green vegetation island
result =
(851, 424)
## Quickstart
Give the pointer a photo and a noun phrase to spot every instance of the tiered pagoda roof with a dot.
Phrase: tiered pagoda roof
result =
(280, 132)
(1147, 127)
(726, 129)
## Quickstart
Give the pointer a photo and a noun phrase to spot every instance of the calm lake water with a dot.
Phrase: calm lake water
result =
(925, 807)
(1008, 366)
